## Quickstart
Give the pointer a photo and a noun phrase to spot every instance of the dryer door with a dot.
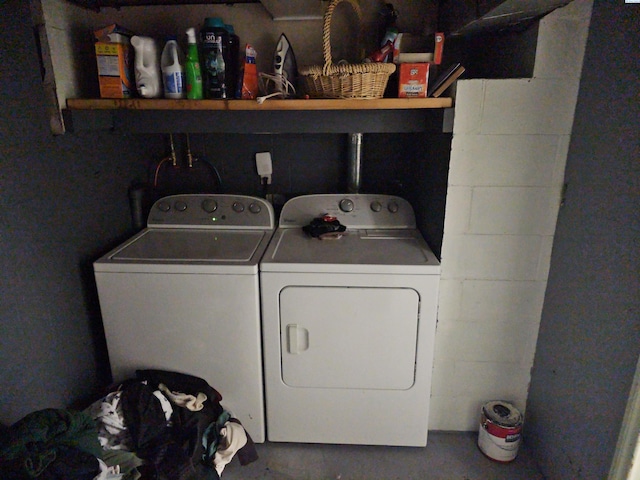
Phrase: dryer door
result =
(349, 337)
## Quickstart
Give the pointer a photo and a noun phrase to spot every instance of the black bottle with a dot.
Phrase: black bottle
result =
(233, 65)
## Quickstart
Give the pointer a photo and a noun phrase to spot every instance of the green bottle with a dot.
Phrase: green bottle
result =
(192, 68)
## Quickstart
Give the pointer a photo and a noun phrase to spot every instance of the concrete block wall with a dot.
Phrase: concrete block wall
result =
(508, 154)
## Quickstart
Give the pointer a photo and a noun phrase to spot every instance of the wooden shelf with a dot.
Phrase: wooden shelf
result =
(386, 115)
(98, 4)
(268, 105)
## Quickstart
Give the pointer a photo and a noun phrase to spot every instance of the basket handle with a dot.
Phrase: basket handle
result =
(326, 30)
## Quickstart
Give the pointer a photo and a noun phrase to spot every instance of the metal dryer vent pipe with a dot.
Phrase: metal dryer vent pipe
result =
(355, 163)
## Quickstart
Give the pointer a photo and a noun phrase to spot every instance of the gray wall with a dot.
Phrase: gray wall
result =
(64, 203)
(63, 200)
(589, 339)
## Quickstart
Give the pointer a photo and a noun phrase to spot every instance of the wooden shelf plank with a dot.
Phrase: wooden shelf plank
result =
(268, 105)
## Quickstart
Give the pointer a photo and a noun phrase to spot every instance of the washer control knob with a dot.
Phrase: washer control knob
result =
(238, 207)
(209, 205)
(164, 206)
(346, 205)
(393, 207)
(255, 207)
(180, 206)
(376, 206)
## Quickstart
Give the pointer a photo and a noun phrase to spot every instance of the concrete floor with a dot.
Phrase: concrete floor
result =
(448, 456)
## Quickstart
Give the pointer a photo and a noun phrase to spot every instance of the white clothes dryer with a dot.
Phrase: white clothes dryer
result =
(349, 324)
(183, 295)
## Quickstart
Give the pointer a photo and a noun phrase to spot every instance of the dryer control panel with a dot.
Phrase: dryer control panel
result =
(212, 211)
(361, 211)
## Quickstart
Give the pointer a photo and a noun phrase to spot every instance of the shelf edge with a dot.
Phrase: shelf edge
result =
(269, 105)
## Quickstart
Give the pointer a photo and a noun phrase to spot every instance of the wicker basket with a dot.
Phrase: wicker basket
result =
(362, 80)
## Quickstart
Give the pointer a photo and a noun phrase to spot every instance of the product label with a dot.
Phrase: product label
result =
(214, 66)
(114, 69)
(413, 80)
(212, 56)
(496, 448)
(108, 66)
(512, 438)
(209, 37)
(107, 48)
(107, 56)
(173, 82)
(413, 88)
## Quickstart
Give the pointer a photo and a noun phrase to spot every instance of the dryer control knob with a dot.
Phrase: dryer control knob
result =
(164, 206)
(376, 206)
(346, 205)
(393, 207)
(209, 205)
(238, 207)
(180, 206)
(255, 208)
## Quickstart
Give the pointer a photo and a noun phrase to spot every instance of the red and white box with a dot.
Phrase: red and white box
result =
(413, 80)
(439, 48)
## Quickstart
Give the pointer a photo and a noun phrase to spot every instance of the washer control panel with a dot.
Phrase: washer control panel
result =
(353, 210)
(211, 211)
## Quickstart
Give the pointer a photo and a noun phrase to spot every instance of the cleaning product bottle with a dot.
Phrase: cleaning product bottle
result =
(249, 82)
(233, 63)
(147, 67)
(193, 75)
(172, 63)
(214, 40)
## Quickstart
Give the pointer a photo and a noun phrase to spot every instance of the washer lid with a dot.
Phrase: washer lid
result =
(189, 245)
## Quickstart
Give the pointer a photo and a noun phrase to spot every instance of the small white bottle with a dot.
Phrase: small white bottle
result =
(172, 63)
(147, 67)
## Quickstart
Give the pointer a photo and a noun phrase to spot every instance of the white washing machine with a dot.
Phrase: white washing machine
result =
(349, 324)
(183, 295)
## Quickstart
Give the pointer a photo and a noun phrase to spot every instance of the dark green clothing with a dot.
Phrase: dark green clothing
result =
(34, 442)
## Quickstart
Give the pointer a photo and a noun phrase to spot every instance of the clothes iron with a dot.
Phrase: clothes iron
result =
(284, 67)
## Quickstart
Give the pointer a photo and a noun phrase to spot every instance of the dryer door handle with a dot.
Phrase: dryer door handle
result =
(297, 339)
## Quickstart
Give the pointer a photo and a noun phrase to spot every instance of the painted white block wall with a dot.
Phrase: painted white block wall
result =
(508, 154)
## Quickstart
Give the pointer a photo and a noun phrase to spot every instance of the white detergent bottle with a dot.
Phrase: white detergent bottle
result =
(147, 67)
(172, 63)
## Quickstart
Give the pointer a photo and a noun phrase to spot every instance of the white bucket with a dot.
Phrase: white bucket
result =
(500, 431)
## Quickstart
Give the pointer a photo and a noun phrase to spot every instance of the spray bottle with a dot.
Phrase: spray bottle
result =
(147, 67)
(192, 67)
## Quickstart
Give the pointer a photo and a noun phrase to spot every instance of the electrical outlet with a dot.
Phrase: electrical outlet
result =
(264, 166)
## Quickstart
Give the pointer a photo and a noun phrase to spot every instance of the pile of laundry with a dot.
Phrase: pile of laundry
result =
(159, 426)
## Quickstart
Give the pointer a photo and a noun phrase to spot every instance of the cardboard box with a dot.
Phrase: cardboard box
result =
(114, 56)
(439, 48)
(413, 80)
(408, 43)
